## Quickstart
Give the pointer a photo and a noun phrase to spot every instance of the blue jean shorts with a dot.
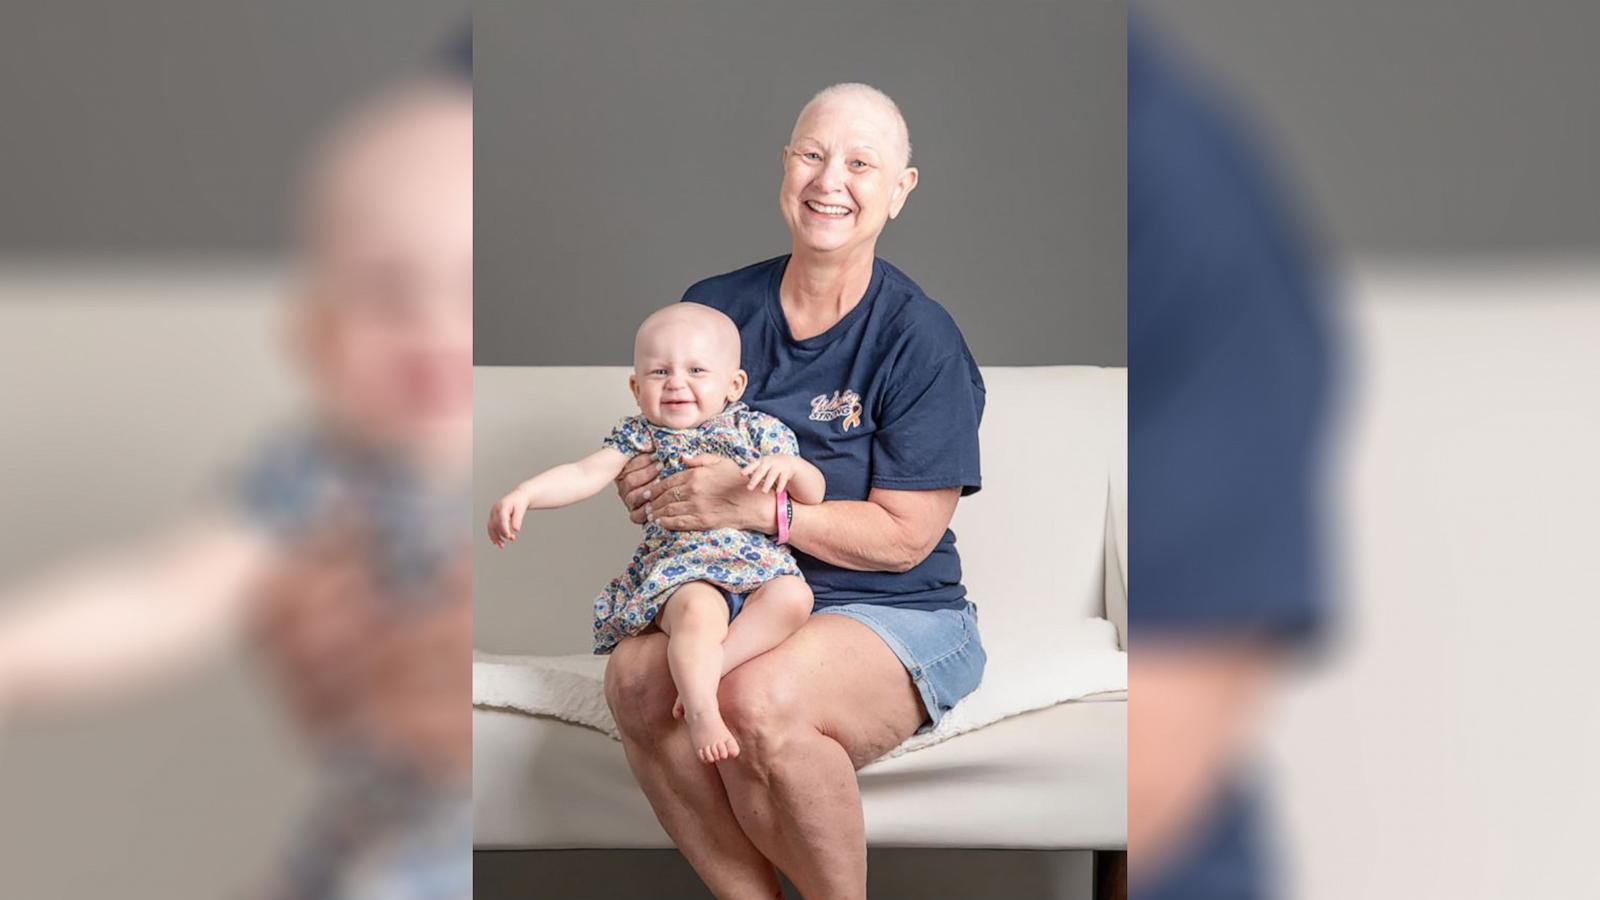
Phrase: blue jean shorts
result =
(939, 647)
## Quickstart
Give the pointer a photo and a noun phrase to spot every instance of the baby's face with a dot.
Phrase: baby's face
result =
(387, 329)
(686, 366)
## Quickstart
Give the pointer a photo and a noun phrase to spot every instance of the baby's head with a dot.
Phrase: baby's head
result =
(686, 365)
(383, 322)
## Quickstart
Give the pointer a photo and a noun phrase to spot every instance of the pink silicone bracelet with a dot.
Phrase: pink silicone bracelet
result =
(783, 520)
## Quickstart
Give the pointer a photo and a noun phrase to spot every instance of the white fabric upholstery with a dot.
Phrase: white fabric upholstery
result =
(1041, 554)
(1051, 779)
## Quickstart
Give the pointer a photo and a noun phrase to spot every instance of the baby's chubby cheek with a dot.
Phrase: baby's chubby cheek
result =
(433, 383)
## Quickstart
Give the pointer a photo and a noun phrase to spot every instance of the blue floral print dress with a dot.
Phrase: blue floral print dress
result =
(738, 561)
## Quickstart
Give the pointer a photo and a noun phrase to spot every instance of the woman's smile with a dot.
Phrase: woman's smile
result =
(828, 210)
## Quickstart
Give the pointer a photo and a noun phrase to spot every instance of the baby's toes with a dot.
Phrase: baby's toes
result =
(730, 748)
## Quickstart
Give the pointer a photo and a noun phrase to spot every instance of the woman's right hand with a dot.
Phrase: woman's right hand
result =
(505, 518)
(635, 483)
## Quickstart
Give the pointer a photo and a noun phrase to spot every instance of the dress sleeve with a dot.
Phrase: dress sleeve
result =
(770, 437)
(927, 435)
(283, 487)
(631, 436)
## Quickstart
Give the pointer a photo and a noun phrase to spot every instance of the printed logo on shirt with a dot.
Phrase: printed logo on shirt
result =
(844, 405)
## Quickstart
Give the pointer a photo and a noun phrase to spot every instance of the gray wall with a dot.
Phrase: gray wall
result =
(1439, 127)
(172, 127)
(626, 151)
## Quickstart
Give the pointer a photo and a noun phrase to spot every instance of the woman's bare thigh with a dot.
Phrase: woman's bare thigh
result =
(845, 682)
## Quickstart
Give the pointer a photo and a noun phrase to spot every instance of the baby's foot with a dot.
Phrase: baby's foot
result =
(677, 707)
(712, 740)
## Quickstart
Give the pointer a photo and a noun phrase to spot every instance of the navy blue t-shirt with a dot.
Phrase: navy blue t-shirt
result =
(889, 397)
(1228, 381)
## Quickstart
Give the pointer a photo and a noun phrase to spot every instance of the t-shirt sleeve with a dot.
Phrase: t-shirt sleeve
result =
(631, 436)
(770, 437)
(927, 436)
(1229, 370)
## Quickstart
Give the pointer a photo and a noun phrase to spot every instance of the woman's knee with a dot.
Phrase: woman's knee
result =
(760, 705)
(634, 684)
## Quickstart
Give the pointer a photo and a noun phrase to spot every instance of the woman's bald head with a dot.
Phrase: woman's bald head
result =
(866, 95)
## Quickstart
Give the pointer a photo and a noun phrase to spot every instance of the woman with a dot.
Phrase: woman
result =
(878, 384)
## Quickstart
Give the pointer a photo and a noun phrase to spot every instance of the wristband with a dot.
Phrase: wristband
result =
(783, 512)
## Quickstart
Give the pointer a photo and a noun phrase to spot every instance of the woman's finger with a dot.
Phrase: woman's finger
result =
(680, 523)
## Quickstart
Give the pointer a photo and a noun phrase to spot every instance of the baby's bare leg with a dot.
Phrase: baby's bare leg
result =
(696, 621)
(771, 613)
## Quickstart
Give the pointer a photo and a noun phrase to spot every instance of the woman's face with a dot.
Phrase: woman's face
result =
(844, 174)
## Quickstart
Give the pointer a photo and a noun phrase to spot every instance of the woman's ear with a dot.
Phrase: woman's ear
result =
(740, 381)
(902, 189)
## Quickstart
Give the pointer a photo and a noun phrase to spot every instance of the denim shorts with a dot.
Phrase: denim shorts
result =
(939, 647)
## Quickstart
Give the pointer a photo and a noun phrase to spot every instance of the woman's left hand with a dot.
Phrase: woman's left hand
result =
(711, 492)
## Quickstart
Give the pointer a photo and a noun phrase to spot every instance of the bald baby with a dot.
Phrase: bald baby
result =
(686, 365)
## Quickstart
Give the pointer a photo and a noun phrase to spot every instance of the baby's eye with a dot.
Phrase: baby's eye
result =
(696, 370)
(858, 163)
(812, 155)
(658, 371)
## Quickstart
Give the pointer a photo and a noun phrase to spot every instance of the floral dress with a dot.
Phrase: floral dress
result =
(738, 561)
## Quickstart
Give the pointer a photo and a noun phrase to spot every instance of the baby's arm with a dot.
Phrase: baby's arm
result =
(563, 485)
(99, 628)
(776, 471)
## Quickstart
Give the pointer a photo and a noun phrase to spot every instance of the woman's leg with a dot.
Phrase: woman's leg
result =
(695, 619)
(830, 699)
(687, 796)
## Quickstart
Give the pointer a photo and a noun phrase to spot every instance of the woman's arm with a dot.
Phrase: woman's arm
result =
(890, 531)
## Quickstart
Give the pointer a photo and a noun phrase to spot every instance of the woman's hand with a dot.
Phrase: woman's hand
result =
(636, 485)
(711, 492)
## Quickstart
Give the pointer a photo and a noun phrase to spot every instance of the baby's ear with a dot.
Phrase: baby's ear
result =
(633, 385)
(740, 381)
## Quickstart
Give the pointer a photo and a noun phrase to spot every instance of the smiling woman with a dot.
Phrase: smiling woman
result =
(892, 623)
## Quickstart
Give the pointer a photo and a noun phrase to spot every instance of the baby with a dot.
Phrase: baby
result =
(687, 381)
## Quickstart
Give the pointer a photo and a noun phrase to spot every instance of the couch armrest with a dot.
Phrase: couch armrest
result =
(1117, 569)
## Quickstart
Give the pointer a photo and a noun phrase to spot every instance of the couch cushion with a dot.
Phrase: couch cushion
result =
(1032, 541)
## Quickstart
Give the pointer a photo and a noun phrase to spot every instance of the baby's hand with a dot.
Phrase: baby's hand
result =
(771, 473)
(505, 518)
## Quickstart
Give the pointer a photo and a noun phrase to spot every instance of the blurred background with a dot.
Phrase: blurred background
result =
(1439, 743)
(150, 157)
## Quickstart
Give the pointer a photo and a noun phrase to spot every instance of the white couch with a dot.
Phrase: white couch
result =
(1043, 547)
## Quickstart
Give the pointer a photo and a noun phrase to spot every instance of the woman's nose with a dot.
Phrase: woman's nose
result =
(833, 176)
